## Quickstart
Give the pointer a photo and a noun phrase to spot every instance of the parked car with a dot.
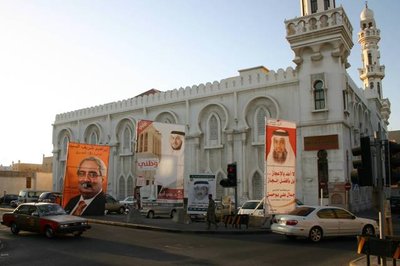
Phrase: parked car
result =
(129, 201)
(113, 205)
(14, 203)
(46, 218)
(54, 197)
(27, 195)
(7, 198)
(152, 209)
(316, 222)
(252, 207)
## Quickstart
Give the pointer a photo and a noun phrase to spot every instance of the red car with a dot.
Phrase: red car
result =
(46, 218)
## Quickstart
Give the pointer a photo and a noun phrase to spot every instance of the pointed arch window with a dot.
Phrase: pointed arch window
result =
(369, 59)
(371, 85)
(93, 138)
(64, 146)
(126, 140)
(213, 131)
(319, 95)
(259, 124)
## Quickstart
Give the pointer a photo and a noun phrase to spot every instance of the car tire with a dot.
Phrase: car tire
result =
(78, 234)
(121, 210)
(368, 230)
(49, 232)
(315, 234)
(14, 229)
(150, 215)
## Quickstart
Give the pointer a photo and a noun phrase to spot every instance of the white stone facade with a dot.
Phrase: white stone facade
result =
(224, 120)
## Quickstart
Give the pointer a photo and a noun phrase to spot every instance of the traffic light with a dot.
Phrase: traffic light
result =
(231, 181)
(363, 175)
(392, 163)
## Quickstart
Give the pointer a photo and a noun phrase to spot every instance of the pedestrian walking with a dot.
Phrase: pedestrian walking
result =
(211, 218)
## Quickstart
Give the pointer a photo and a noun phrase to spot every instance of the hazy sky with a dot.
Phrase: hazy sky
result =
(59, 56)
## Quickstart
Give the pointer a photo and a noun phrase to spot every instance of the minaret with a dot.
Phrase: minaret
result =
(309, 7)
(372, 71)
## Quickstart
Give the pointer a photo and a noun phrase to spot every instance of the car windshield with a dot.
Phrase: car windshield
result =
(302, 211)
(51, 209)
(252, 205)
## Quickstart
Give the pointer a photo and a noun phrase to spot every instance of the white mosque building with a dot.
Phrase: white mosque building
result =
(225, 120)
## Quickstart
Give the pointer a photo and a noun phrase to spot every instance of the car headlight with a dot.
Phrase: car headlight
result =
(84, 223)
(63, 225)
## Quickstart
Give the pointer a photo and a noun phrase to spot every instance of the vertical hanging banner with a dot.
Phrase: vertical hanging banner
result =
(280, 166)
(160, 160)
(85, 180)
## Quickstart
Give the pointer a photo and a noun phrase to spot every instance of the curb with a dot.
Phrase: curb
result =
(173, 230)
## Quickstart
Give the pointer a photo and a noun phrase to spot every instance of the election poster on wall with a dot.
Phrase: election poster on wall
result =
(85, 180)
(160, 160)
(198, 188)
(280, 166)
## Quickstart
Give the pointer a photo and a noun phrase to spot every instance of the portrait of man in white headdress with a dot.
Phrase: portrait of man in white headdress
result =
(281, 152)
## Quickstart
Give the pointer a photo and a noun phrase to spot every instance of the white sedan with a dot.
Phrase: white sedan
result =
(316, 222)
(128, 201)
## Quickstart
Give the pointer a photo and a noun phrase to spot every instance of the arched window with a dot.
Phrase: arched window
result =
(130, 186)
(121, 187)
(319, 95)
(64, 146)
(369, 59)
(93, 138)
(259, 124)
(126, 140)
(371, 85)
(213, 130)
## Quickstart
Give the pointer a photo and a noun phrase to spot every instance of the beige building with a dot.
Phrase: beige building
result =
(21, 176)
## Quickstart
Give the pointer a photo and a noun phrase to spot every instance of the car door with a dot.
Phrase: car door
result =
(22, 217)
(328, 221)
(348, 223)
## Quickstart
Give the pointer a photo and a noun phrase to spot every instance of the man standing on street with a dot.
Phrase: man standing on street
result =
(211, 219)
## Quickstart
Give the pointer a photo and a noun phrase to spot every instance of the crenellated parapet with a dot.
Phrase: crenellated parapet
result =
(248, 79)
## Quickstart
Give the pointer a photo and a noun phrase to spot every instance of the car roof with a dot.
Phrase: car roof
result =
(37, 203)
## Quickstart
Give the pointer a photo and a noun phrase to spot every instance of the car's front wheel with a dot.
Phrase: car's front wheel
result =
(78, 234)
(14, 228)
(121, 210)
(368, 230)
(49, 232)
(315, 234)
(150, 215)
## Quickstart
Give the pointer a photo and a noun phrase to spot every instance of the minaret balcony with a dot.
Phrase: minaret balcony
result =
(371, 71)
(319, 21)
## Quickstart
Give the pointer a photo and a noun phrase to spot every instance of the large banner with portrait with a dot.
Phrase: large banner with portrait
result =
(280, 166)
(160, 159)
(85, 180)
(198, 188)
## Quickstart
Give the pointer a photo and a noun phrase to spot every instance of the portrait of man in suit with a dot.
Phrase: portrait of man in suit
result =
(91, 199)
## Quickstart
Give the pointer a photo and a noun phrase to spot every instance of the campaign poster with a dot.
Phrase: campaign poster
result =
(280, 166)
(199, 187)
(160, 160)
(85, 180)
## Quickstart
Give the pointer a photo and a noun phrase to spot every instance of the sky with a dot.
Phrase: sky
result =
(58, 56)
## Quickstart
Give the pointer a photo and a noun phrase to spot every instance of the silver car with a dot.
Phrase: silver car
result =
(316, 222)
